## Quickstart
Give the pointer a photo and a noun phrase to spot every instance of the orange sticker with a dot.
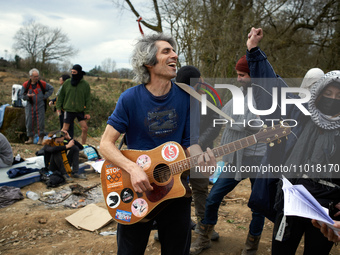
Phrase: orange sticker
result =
(114, 178)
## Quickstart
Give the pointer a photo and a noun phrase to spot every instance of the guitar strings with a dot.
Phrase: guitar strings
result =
(171, 168)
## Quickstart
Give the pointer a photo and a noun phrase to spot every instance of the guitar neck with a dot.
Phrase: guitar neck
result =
(186, 164)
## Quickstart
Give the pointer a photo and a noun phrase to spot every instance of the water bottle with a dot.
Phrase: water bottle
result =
(32, 195)
(35, 139)
(49, 193)
(17, 157)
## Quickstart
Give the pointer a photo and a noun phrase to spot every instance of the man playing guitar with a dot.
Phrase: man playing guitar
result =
(150, 114)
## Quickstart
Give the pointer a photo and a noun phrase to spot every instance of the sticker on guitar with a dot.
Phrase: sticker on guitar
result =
(170, 152)
(113, 200)
(123, 215)
(113, 177)
(139, 207)
(144, 161)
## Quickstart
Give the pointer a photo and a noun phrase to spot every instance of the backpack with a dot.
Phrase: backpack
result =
(91, 152)
(42, 87)
(55, 179)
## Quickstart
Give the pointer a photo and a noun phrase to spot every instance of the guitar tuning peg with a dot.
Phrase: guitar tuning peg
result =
(271, 144)
(286, 137)
(279, 141)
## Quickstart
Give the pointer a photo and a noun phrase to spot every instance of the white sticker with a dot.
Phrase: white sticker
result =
(113, 200)
(170, 152)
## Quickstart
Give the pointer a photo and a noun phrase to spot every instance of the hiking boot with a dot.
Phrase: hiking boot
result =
(79, 176)
(251, 245)
(30, 140)
(67, 178)
(41, 138)
(214, 236)
(203, 240)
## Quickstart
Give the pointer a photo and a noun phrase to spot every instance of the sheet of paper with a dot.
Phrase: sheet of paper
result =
(97, 165)
(299, 202)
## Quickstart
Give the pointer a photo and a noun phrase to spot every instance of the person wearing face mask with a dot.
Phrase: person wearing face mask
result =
(314, 142)
(75, 100)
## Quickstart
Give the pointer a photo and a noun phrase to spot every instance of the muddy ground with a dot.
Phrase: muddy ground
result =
(33, 227)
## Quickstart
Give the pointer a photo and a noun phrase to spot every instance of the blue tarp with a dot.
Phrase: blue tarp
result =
(2, 113)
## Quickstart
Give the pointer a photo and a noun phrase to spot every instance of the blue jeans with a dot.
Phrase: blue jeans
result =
(221, 188)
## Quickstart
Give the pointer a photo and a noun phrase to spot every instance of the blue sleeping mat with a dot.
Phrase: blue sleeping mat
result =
(24, 180)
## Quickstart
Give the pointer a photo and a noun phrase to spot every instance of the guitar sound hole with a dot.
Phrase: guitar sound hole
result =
(161, 173)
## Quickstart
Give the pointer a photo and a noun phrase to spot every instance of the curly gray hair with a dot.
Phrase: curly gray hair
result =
(145, 54)
(32, 71)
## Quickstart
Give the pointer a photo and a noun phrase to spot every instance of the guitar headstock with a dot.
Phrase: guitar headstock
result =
(270, 134)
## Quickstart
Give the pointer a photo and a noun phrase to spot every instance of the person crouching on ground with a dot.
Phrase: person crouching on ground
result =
(62, 153)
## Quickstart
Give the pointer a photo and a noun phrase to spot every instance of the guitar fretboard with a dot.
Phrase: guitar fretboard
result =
(183, 165)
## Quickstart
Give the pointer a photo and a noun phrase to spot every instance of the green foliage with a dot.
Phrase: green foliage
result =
(101, 109)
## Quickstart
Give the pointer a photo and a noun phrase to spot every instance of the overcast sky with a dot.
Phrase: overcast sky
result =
(97, 28)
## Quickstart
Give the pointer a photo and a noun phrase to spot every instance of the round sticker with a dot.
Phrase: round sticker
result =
(126, 195)
(113, 200)
(139, 207)
(144, 161)
(170, 152)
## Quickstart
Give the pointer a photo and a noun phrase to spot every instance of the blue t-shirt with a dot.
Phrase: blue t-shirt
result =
(149, 121)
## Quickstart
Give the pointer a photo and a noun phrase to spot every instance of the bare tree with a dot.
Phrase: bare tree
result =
(211, 34)
(108, 65)
(42, 44)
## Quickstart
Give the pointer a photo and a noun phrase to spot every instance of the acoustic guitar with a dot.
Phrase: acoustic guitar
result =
(164, 166)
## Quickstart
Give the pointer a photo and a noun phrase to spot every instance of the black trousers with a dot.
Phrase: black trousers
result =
(57, 164)
(174, 231)
(315, 242)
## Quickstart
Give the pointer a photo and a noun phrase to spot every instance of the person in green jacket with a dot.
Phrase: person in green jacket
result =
(75, 100)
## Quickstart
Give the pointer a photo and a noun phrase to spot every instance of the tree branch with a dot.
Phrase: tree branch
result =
(158, 27)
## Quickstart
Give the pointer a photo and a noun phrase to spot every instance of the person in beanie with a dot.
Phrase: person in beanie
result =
(226, 182)
(190, 75)
(35, 92)
(75, 100)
